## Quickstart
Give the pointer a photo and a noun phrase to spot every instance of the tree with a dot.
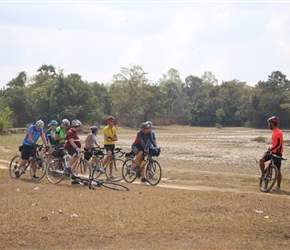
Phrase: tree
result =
(5, 119)
(19, 81)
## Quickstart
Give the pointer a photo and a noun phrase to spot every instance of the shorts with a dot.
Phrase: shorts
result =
(27, 151)
(71, 151)
(277, 161)
(88, 155)
(110, 148)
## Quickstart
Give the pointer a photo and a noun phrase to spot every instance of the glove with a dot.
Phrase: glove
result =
(46, 148)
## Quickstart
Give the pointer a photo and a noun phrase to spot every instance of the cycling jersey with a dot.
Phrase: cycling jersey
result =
(277, 141)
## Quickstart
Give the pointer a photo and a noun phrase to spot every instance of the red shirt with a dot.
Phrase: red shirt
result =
(72, 134)
(277, 141)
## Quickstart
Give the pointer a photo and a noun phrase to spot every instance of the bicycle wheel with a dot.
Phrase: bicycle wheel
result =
(114, 174)
(39, 165)
(127, 176)
(268, 178)
(14, 163)
(84, 167)
(153, 172)
(113, 185)
(55, 171)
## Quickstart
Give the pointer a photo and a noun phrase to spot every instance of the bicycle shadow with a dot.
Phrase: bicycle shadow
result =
(281, 192)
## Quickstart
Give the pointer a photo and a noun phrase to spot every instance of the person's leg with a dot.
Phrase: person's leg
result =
(262, 164)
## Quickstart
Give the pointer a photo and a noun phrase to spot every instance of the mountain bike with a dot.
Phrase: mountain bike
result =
(36, 164)
(55, 171)
(116, 162)
(269, 175)
(153, 168)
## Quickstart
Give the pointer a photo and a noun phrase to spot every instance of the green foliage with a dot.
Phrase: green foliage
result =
(5, 118)
(52, 95)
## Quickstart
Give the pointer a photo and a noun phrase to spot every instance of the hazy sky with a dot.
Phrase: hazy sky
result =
(243, 40)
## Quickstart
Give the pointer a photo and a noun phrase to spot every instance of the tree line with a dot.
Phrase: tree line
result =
(50, 94)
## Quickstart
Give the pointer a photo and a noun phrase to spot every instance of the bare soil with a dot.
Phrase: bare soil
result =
(208, 199)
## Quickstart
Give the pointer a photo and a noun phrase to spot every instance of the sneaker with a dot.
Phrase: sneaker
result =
(277, 189)
(101, 169)
(112, 176)
(16, 172)
(143, 180)
(74, 182)
(35, 177)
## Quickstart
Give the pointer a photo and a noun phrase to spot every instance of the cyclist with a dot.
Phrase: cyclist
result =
(142, 143)
(90, 142)
(33, 133)
(276, 148)
(73, 145)
(60, 132)
(50, 134)
(110, 136)
(152, 132)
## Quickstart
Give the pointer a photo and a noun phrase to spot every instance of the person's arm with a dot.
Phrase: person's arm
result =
(72, 143)
(43, 139)
(29, 136)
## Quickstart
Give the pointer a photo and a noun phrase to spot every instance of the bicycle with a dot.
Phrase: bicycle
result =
(55, 171)
(153, 168)
(36, 163)
(92, 183)
(269, 175)
(116, 162)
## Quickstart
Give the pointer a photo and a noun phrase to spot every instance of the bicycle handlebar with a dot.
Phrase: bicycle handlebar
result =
(277, 156)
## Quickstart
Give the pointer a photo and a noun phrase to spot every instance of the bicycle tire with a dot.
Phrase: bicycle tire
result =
(267, 181)
(81, 167)
(113, 186)
(153, 172)
(55, 170)
(128, 177)
(14, 163)
(117, 170)
(40, 168)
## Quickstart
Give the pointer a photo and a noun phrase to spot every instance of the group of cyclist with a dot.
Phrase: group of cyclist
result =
(66, 135)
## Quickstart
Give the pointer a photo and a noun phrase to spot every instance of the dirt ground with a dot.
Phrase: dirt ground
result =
(208, 199)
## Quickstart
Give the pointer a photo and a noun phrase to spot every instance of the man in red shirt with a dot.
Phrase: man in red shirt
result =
(73, 145)
(276, 148)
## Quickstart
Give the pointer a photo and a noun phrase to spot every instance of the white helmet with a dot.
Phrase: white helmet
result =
(40, 123)
(150, 123)
(76, 123)
(66, 122)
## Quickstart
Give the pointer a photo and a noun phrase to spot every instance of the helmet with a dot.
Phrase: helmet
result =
(40, 123)
(53, 122)
(144, 125)
(150, 123)
(66, 122)
(110, 118)
(94, 128)
(76, 123)
(273, 119)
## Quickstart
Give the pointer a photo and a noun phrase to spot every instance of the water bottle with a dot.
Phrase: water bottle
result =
(142, 164)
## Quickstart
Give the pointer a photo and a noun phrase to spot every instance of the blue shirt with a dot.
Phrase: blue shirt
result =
(35, 135)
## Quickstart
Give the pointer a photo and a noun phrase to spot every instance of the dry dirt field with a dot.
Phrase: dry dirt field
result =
(208, 199)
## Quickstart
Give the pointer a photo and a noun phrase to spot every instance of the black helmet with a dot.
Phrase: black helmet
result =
(273, 119)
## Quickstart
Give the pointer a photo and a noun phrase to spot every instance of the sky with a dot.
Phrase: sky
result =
(242, 40)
